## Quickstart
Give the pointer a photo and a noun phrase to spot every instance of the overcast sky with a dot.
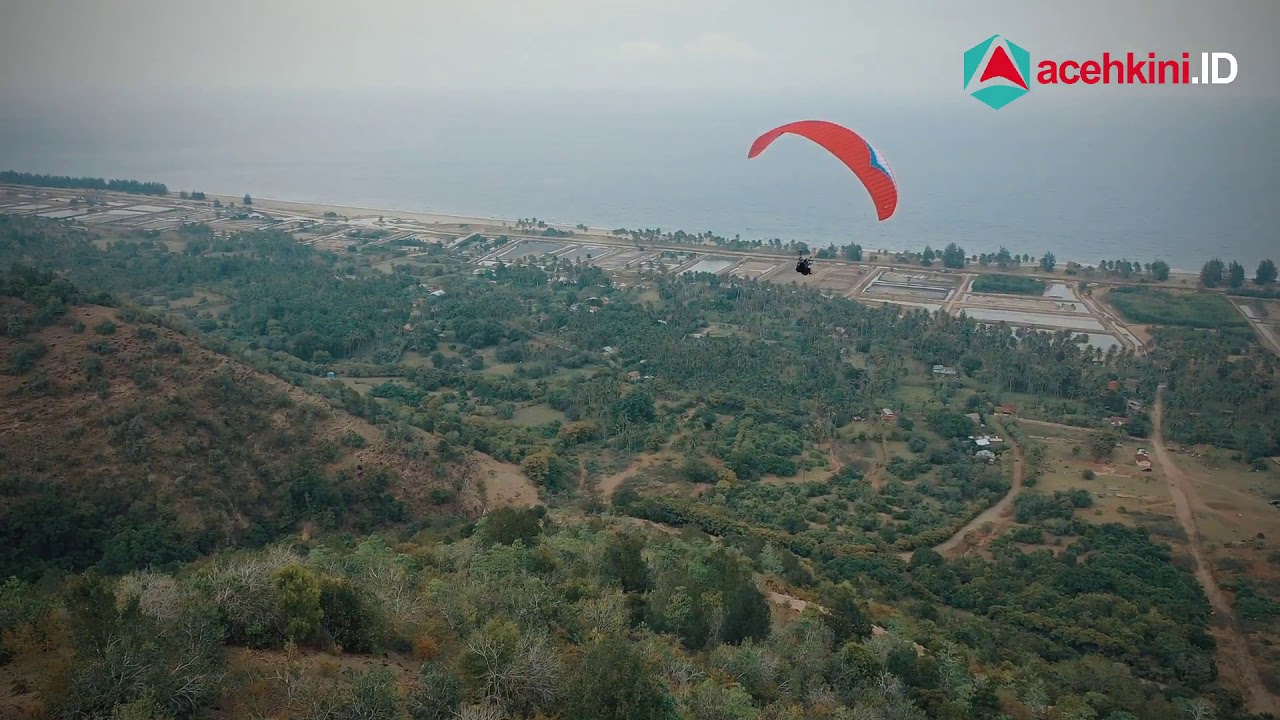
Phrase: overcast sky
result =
(847, 46)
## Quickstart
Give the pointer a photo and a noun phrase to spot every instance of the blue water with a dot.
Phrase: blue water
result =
(1174, 179)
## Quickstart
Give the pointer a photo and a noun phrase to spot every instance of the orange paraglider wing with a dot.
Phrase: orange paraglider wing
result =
(856, 153)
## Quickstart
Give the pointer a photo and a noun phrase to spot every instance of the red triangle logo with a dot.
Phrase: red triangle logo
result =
(1001, 66)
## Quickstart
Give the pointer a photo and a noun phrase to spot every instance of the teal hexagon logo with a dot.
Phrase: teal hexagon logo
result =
(997, 72)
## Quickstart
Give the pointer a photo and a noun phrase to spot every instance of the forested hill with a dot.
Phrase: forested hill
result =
(127, 444)
(250, 465)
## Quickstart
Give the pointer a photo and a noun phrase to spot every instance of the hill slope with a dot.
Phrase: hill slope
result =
(165, 450)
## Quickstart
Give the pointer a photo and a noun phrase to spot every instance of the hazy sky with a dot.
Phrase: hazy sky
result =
(846, 46)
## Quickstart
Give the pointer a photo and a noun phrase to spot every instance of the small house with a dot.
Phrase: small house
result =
(888, 415)
(1007, 409)
(437, 293)
(1142, 460)
(633, 375)
(1134, 406)
(943, 370)
(1113, 386)
(608, 350)
(985, 455)
(1117, 421)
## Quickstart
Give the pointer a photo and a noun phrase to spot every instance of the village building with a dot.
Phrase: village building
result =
(887, 414)
(943, 370)
(1143, 460)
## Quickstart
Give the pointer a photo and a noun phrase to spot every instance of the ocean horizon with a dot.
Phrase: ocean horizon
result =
(1173, 178)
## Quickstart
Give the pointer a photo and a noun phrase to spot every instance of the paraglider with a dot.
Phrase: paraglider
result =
(855, 152)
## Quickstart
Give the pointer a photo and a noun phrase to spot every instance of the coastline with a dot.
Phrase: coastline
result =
(353, 212)
(318, 210)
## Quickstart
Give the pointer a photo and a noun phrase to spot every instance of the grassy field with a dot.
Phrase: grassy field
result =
(363, 385)
(1240, 532)
(1008, 285)
(1121, 492)
(1162, 307)
(539, 414)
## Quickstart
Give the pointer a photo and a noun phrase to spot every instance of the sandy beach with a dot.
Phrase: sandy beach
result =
(318, 210)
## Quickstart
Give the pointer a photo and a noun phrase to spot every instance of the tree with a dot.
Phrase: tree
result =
(1211, 273)
(953, 256)
(547, 469)
(372, 695)
(299, 597)
(1048, 262)
(505, 526)
(845, 615)
(519, 671)
(709, 700)
(152, 648)
(1266, 273)
(348, 620)
(437, 694)
(1139, 425)
(636, 406)
(247, 200)
(613, 680)
(1102, 444)
(622, 561)
(928, 257)
(1235, 275)
(1160, 270)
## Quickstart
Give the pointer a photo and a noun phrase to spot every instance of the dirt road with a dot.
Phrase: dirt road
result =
(991, 514)
(1233, 650)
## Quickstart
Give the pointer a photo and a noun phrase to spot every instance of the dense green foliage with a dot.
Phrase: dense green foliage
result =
(567, 609)
(549, 629)
(86, 183)
(1162, 307)
(1009, 284)
(1224, 389)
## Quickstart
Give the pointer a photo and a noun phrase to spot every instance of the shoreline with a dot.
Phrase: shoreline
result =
(355, 212)
(434, 218)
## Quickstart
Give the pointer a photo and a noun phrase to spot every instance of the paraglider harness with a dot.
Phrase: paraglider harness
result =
(802, 265)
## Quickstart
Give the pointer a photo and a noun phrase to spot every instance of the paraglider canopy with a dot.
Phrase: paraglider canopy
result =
(851, 149)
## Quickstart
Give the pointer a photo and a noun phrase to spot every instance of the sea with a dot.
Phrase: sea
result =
(1180, 179)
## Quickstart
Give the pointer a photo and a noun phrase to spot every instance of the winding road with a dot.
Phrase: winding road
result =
(991, 514)
(1233, 649)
